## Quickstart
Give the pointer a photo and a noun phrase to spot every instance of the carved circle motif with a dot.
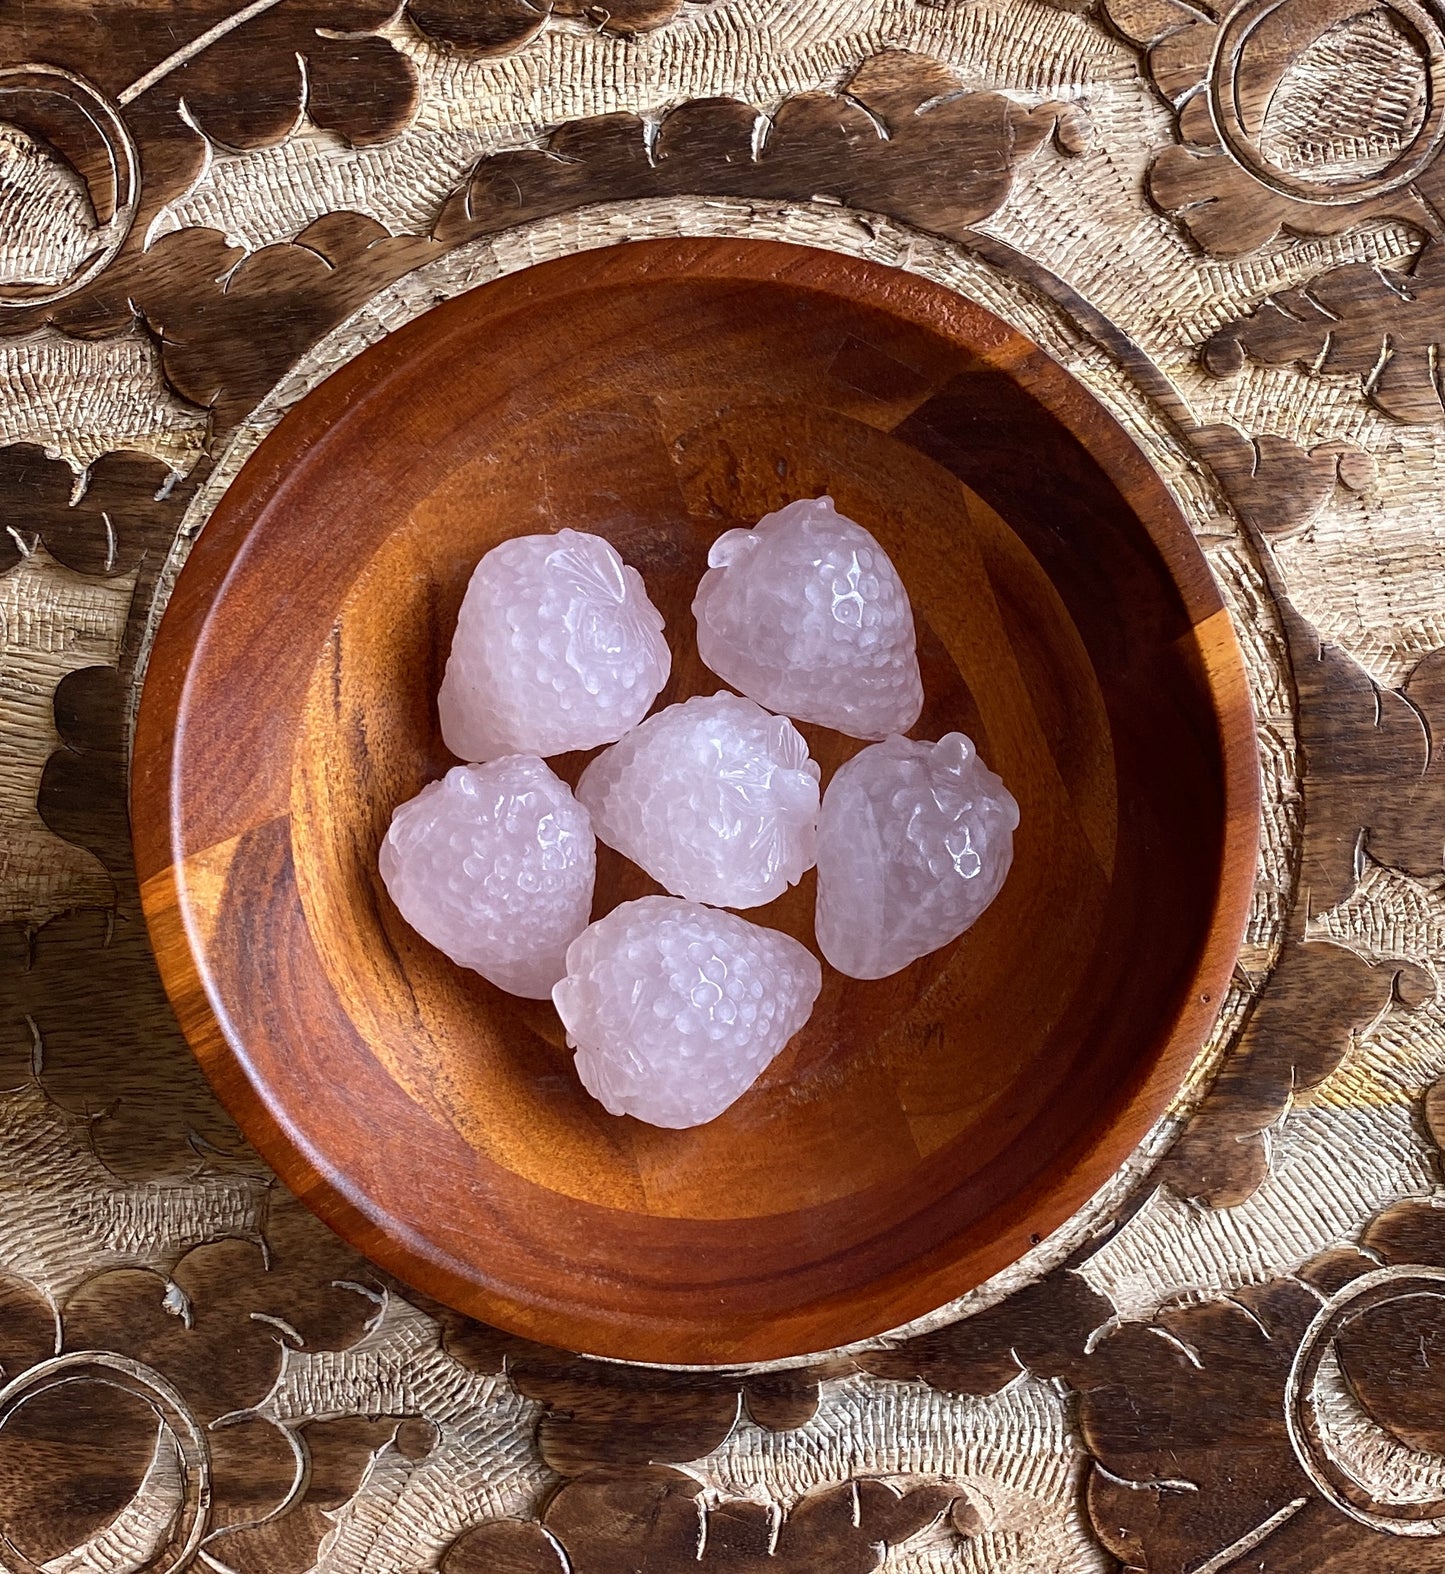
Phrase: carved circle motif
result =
(1330, 103)
(1322, 1411)
(85, 195)
(187, 1506)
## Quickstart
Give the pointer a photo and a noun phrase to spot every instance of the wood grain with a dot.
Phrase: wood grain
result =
(1145, 254)
(923, 1130)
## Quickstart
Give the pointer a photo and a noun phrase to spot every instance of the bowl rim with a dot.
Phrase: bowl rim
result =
(393, 1243)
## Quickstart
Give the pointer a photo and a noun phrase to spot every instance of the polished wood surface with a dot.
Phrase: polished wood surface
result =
(923, 1130)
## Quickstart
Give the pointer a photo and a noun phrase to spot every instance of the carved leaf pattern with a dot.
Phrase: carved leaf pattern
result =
(1277, 485)
(1174, 1251)
(1203, 187)
(496, 27)
(962, 149)
(315, 66)
(614, 1521)
(121, 512)
(53, 622)
(1382, 327)
(199, 297)
(674, 1471)
(759, 1495)
(320, 54)
(357, 86)
(67, 1217)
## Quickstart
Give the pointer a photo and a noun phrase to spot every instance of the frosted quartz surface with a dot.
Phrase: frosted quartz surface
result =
(716, 799)
(805, 614)
(676, 1009)
(494, 864)
(557, 647)
(914, 841)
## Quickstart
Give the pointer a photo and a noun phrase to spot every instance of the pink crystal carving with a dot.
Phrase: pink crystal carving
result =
(557, 647)
(805, 614)
(494, 865)
(676, 1009)
(914, 841)
(714, 798)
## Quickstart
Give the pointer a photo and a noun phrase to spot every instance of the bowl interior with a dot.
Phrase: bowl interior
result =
(923, 1130)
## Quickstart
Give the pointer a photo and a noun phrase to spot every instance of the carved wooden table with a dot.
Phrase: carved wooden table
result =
(1230, 227)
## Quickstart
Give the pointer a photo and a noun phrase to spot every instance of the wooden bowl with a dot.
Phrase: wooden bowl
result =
(924, 1130)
